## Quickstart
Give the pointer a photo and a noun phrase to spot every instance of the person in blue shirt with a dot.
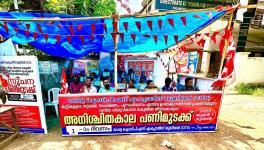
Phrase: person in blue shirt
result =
(106, 88)
(189, 85)
(167, 87)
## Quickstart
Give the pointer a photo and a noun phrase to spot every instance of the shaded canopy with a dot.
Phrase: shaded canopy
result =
(75, 39)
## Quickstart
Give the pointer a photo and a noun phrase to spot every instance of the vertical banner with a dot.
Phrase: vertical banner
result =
(192, 62)
(129, 113)
(23, 92)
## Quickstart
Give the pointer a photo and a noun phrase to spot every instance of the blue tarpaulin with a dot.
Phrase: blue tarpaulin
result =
(70, 44)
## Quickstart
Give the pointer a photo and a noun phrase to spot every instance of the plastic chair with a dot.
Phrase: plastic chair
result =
(54, 100)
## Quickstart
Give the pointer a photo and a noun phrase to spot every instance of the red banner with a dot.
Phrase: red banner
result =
(124, 113)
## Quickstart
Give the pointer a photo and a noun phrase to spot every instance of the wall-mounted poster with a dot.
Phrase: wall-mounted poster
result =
(144, 66)
(140, 67)
(192, 62)
(130, 65)
(150, 65)
(137, 66)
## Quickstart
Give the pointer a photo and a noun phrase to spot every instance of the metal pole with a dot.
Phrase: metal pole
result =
(115, 18)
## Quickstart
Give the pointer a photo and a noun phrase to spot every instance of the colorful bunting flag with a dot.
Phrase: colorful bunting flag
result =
(197, 16)
(166, 39)
(60, 26)
(26, 33)
(46, 37)
(82, 39)
(71, 29)
(80, 26)
(146, 35)
(6, 27)
(155, 39)
(91, 37)
(28, 26)
(39, 28)
(171, 22)
(125, 24)
(69, 39)
(160, 24)
(183, 18)
(213, 36)
(133, 36)
(176, 39)
(35, 35)
(219, 8)
(122, 35)
(138, 24)
(150, 24)
(16, 29)
(93, 26)
(58, 38)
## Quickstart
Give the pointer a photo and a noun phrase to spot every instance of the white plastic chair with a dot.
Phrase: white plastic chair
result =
(54, 100)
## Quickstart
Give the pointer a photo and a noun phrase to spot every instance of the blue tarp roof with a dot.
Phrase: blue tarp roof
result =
(77, 49)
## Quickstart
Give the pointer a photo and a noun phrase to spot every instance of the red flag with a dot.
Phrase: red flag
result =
(35, 35)
(16, 29)
(93, 26)
(121, 35)
(80, 26)
(91, 37)
(105, 28)
(69, 39)
(114, 37)
(155, 39)
(46, 37)
(219, 8)
(114, 26)
(201, 42)
(5, 26)
(160, 23)
(226, 36)
(138, 23)
(176, 39)
(197, 16)
(171, 22)
(58, 39)
(133, 36)
(64, 84)
(213, 36)
(26, 33)
(71, 29)
(82, 38)
(39, 28)
(183, 18)
(197, 35)
(150, 24)
(207, 34)
(52, 22)
(125, 24)
(166, 39)
(28, 26)
(4, 80)
(229, 8)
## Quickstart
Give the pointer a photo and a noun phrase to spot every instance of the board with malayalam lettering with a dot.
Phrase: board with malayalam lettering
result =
(123, 113)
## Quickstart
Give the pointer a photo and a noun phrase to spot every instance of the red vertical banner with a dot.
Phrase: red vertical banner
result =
(64, 84)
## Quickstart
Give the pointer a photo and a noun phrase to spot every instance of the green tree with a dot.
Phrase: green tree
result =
(82, 7)
(6, 5)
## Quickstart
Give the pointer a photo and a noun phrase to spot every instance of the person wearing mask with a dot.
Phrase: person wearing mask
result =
(106, 87)
(76, 86)
(189, 85)
(142, 85)
(88, 87)
(167, 87)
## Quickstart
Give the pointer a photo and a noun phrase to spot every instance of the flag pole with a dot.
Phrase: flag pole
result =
(115, 18)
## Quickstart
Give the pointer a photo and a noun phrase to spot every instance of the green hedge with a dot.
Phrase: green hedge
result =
(251, 89)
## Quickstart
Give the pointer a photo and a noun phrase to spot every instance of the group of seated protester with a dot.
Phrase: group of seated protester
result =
(88, 86)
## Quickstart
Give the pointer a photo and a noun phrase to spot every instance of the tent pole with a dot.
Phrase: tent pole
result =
(115, 18)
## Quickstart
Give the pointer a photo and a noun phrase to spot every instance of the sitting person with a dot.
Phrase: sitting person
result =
(167, 87)
(106, 87)
(151, 86)
(131, 84)
(189, 85)
(88, 87)
(76, 86)
(142, 85)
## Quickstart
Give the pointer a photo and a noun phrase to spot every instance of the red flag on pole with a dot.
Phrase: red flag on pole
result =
(138, 23)
(160, 23)
(150, 24)
(183, 18)
(171, 22)
(64, 84)
(213, 36)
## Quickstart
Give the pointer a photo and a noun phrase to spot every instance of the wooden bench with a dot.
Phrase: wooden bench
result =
(14, 131)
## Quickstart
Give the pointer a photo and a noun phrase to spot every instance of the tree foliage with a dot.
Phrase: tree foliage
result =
(6, 5)
(82, 7)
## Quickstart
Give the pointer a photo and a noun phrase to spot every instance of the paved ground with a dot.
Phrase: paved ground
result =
(241, 126)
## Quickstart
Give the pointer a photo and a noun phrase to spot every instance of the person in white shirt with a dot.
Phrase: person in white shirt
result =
(88, 87)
